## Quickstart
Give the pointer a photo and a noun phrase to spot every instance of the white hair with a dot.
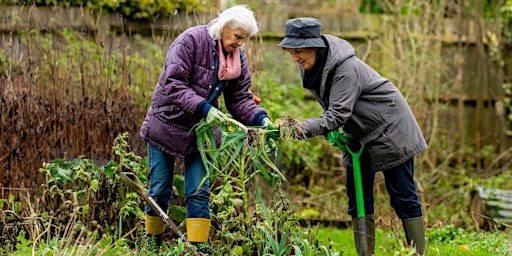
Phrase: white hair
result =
(236, 17)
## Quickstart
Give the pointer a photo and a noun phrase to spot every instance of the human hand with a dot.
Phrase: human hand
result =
(333, 137)
(266, 122)
(343, 141)
(215, 117)
(273, 132)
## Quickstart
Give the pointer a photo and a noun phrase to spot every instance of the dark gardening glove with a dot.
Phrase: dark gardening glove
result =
(215, 117)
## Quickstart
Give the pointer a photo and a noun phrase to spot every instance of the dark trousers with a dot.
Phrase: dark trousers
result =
(399, 184)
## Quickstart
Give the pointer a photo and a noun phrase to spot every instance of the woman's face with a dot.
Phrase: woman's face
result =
(233, 38)
(305, 57)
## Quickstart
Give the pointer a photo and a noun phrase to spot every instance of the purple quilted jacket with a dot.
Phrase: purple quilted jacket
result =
(185, 82)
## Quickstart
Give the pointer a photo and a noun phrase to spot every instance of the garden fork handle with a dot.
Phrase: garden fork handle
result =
(358, 183)
(134, 183)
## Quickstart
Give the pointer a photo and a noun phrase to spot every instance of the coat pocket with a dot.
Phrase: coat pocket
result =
(176, 138)
(383, 151)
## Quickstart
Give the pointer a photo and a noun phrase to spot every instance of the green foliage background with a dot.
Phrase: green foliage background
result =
(130, 9)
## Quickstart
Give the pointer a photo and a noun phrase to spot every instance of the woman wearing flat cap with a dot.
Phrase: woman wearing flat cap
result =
(362, 103)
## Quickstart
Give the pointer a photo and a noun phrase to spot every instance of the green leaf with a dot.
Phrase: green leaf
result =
(178, 213)
(179, 183)
(94, 185)
(238, 250)
(110, 169)
(63, 175)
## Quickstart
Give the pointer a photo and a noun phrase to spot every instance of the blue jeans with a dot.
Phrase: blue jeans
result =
(161, 174)
(399, 184)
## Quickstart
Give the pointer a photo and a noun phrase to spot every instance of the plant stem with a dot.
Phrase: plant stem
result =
(233, 121)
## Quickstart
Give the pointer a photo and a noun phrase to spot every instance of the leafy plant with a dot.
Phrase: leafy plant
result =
(235, 166)
(242, 155)
(465, 242)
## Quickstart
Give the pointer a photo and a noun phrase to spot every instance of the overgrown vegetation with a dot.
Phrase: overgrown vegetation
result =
(79, 204)
(87, 203)
(133, 10)
(75, 221)
(66, 95)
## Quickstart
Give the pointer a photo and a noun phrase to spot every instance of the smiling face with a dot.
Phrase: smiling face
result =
(233, 38)
(305, 57)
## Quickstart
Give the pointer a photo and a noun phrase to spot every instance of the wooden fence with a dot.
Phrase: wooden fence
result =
(471, 91)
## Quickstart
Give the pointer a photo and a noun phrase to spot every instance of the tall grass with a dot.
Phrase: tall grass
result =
(63, 96)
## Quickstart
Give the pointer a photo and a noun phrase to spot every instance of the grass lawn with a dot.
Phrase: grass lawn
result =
(441, 241)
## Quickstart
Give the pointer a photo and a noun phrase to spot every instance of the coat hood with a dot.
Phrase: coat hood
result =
(339, 50)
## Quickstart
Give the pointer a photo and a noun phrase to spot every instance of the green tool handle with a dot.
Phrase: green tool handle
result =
(358, 181)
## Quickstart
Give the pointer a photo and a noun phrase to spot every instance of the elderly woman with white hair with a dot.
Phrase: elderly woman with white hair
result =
(202, 63)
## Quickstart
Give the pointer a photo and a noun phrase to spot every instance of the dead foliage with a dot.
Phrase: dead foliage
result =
(36, 127)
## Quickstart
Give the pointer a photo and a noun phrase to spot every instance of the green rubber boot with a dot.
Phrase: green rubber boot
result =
(415, 233)
(370, 234)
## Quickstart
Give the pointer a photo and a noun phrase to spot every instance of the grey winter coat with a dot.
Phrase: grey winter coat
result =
(186, 81)
(363, 103)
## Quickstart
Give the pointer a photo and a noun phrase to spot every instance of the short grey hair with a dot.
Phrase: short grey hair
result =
(236, 17)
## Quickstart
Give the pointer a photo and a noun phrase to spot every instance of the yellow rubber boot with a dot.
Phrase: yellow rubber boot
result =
(198, 229)
(154, 225)
(155, 228)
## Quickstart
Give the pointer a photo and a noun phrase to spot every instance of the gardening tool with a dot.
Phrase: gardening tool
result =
(134, 183)
(342, 142)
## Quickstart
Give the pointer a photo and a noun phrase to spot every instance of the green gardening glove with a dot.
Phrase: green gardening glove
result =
(273, 133)
(334, 139)
(215, 117)
(342, 141)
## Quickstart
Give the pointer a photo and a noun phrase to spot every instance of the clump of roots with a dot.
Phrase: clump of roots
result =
(253, 137)
(290, 128)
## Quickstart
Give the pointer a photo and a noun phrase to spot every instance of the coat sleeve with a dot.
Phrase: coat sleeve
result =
(176, 74)
(343, 95)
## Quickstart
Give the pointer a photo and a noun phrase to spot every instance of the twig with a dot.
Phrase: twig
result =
(498, 158)
(114, 243)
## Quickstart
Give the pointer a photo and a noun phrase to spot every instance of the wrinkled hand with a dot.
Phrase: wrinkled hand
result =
(273, 132)
(215, 117)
